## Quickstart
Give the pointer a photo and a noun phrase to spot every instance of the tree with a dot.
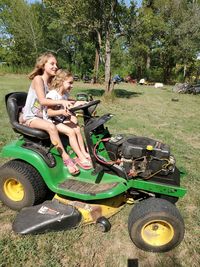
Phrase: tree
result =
(146, 31)
(24, 35)
(95, 19)
(188, 36)
(164, 35)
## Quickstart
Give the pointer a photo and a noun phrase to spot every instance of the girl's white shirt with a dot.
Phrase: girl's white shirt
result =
(54, 95)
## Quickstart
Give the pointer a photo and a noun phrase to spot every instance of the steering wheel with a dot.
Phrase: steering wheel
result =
(85, 106)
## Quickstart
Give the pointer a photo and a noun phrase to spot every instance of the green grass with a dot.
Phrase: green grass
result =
(139, 110)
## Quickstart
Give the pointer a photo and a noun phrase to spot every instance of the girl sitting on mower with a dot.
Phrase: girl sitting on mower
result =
(32, 116)
(65, 121)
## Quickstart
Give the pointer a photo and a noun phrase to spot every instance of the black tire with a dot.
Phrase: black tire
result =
(103, 224)
(171, 199)
(21, 185)
(155, 225)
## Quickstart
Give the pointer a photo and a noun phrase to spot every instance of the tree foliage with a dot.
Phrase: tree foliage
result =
(158, 40)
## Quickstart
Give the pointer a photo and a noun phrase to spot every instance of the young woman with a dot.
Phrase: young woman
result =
(60, 87)
(41, 76)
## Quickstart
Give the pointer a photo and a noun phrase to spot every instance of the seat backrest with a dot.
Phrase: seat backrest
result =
(14, 104)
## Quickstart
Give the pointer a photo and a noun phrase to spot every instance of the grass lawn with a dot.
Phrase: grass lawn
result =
(139, 110)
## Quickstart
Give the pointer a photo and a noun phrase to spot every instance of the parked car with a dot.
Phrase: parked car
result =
(86, 79)
(117, 79)
(76, 77)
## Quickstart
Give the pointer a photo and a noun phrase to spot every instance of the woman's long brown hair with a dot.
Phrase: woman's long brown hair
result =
(39, 66)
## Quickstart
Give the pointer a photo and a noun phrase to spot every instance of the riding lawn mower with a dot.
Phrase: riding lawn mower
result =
(126, 170)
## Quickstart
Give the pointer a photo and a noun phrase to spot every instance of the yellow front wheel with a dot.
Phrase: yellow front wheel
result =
(155, 225)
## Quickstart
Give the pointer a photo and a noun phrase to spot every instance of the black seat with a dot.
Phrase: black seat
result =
(14, 104)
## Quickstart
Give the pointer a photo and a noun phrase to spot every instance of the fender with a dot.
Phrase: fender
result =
(16, 151)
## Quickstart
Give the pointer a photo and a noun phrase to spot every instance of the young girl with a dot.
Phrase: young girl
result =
(60, 88)
(45, 69)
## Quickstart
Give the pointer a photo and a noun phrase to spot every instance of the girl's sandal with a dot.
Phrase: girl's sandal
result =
(84, 164)
(89, 158)
(69, 163)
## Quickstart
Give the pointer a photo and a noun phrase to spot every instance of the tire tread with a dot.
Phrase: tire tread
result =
(31, 174)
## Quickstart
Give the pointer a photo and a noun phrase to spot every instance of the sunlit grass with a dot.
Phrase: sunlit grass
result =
(138, 110)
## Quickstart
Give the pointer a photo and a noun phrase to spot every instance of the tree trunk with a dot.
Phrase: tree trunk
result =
(184, 71)
(167, 74)
(97, 57)
(108, 88)
(148, 63)
(96, 66)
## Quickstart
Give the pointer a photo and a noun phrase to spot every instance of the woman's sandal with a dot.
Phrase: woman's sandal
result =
(84, 164)
(70, 163)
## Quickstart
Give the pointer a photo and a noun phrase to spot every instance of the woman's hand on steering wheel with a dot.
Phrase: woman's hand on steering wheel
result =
(85, 106)
(66, 104)
(80, 103)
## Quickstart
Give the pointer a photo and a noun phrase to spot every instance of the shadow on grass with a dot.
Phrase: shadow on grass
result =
(125, 94)
(94, 92)
(121, 93)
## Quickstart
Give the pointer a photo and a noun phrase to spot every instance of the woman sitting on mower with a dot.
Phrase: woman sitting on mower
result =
(65, 121)
(41, 76)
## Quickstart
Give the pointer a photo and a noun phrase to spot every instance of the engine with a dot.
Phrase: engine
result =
(141, 156)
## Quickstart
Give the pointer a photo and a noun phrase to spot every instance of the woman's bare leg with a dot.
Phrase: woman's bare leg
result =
(51, 129)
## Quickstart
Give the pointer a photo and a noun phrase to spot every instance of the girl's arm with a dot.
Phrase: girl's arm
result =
(52, 112)
(38, 85)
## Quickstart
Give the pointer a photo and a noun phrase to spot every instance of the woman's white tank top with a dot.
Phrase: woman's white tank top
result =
(32, 106)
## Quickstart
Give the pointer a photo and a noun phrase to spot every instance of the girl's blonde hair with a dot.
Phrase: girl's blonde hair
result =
(59, 78)
(40, 63)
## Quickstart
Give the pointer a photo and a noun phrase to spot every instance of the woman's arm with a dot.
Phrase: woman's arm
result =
(80, 103)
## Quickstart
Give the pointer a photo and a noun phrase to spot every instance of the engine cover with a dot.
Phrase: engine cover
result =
(136, 146)
(145, 157)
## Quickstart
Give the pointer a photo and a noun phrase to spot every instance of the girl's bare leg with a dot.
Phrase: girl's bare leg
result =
(69, 130)
(79, 137)
(81, 142)
(54, 137)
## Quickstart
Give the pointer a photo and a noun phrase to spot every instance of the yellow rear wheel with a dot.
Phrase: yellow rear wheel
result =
(14, 189)
(155, 225)
(157, 233)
